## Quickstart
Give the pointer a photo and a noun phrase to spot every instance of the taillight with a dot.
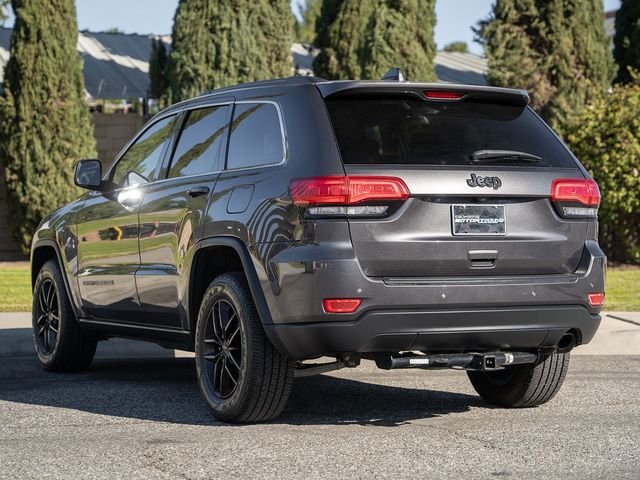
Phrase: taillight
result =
(341, 305)
(343, 195)
(443, 95)
(575, 198)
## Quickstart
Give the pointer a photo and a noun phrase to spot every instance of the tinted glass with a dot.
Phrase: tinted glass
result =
(199, 144)
(411, 131)
(143, 156)
(256, 138)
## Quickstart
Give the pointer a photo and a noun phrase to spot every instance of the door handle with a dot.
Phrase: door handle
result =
(198, 191)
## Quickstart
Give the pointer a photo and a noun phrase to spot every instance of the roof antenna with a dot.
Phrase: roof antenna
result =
(394, 75)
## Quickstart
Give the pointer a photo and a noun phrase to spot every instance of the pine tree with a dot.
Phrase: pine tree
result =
(555, 49)
(368, 37)
(44, 119)
(401, 36)
(306, 28)
(626, 41)
(225, 42)
(157, 69)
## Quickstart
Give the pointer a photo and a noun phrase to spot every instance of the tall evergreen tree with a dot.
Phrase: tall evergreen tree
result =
(157, 69)
(223, 42)
(555, 49)
(626, 42)
(368, 37)
(44, 119)
(306, 27)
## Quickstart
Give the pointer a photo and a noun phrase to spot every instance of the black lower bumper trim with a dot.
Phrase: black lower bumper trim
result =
(436, 331)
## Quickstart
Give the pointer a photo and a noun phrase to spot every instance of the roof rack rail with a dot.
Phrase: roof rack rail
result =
(394, 75)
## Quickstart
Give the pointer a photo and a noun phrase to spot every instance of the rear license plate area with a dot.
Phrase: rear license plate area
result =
(478, 220)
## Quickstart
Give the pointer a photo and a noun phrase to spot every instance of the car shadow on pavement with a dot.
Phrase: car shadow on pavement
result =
(165, 389)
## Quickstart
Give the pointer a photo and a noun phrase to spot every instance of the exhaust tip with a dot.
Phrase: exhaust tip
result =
(567, 342)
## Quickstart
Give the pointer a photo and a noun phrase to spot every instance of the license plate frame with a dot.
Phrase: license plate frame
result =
(478, 220)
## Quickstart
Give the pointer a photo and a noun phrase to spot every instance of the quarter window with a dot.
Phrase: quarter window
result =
(138, 165)
(256, 136)
(200, 141)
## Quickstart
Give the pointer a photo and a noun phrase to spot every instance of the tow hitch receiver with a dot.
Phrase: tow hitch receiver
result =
(464, 361)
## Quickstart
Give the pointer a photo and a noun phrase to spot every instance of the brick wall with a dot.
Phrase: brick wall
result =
(112, 132)
(9, 250)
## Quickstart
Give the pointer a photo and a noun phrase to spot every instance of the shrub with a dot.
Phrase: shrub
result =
(606, 139)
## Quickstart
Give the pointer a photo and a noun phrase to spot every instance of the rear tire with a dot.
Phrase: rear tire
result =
(59, 343)
(241, 375)
(522, 385)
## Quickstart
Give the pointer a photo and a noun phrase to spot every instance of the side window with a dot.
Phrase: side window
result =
(200, 141)
(256, 137)
(138, 164)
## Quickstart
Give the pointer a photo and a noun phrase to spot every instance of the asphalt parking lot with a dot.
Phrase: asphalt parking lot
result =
(144, 418)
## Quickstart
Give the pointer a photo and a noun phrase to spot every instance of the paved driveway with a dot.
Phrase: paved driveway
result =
(143, 418)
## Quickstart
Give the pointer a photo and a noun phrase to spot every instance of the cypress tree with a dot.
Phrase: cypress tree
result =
(626, 42)
(368, 37)
(44, 119)
(555, 49)
(306, 27)
(402, 36)
(224, 42)
(157, 69)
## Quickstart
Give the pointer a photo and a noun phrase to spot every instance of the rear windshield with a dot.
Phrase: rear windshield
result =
(415, 132)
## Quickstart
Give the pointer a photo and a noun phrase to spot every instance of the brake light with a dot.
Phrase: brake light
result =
(341, 305)
(575, 198)
(596, 299)
(443, 95)
(346, 190)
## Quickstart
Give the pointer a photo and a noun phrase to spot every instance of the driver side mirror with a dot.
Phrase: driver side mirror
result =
(89, 174)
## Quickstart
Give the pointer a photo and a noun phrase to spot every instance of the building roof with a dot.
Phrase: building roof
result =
(116, 65)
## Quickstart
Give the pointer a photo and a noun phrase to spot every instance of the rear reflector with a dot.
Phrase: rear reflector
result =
(341, 305)
(443, 95)
(596, 299)
(346, 190)
(575, 198)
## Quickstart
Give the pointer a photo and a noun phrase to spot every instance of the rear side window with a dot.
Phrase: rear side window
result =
(138, 164)
(200, 141)
(409, 131)
(256, 136)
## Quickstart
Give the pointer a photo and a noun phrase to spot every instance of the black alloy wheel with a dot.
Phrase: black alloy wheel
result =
(223, 349)
(48, 317)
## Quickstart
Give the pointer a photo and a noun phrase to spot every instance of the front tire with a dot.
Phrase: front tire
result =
(241, 375)
(59, 343)
(522, 385)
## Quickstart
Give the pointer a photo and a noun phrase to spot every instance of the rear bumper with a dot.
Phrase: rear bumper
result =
(428, 314)
(437, 331)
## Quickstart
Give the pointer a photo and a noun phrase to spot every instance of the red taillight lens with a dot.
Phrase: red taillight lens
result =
(596, 299)
(580, 191)
(575, 198)
(341, 305)
(346, 190)
(443, 95)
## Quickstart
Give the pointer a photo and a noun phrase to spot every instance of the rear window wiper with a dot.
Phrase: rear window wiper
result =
(489, 156)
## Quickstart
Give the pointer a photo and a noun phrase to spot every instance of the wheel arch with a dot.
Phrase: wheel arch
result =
(231, 255)
(41, 253)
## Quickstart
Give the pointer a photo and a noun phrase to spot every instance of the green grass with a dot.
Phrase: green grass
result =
(15, 288)
(623, 288)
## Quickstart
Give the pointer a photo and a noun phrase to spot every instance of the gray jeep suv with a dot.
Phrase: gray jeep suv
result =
(267, 225)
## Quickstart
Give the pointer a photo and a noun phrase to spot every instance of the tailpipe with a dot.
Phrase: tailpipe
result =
(566, 343)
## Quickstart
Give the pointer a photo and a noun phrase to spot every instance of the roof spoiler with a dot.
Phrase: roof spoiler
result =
(471, 92)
